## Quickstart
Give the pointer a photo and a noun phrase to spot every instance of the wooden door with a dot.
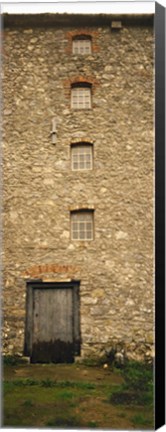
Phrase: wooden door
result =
(52, 330)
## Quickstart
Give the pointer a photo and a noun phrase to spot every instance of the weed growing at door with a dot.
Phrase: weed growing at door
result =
(13, 360)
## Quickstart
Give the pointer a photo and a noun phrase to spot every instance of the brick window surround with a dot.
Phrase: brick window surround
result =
(81, 156)
(80, 32)
(82, 225)
(89, 82)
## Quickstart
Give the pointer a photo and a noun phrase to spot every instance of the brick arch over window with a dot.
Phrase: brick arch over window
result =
(82, 37)
(79, 80)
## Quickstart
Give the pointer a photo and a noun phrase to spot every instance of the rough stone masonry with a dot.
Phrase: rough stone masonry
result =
(116, 267)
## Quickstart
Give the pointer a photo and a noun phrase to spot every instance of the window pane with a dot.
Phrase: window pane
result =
(89, 234)
(89, 226)
(82, 235)
(75, 235)
(88, 157)
(88, 165)
(82, 226)
(75, 166)
(75, 156)
(74, 226)
(81, 166)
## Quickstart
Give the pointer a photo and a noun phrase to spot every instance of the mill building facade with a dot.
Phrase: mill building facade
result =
(78, 185)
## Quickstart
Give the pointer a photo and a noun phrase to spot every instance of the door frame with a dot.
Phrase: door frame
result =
(31, 285)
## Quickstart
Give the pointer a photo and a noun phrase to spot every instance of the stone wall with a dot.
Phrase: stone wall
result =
(40, 189)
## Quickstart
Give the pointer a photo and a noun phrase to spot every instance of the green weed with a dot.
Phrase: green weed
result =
(13, 360)
(66, 395)
(140, 420)
(28, 403)
(50, 383)
(92, 424)
(138, 376)
(91, 362)
(47, 383)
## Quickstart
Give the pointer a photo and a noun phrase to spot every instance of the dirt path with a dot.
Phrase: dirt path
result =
(63, 372)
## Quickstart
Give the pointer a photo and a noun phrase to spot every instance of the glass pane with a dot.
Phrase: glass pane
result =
(75, 157)
(75, 166)
(88, 157)
(74, 217)
(75, 226)
(88, 165)
(89, 235)
(82, 216)
(82, 235)
(81, 157)
(82, 226)
(81, 149)
(88, 226)
(75, 235)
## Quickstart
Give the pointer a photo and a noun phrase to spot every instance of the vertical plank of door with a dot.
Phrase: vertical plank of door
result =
(53, 315)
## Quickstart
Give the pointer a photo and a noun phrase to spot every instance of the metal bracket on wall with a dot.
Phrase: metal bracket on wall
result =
(54, 131)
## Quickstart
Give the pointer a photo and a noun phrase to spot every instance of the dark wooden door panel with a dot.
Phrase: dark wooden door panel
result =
(53, 339)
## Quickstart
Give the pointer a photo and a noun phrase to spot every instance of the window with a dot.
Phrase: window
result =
(82, 225)
(81, 156)
(82, 45)
(81, 96)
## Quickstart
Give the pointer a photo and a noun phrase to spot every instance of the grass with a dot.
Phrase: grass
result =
(46, 402)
